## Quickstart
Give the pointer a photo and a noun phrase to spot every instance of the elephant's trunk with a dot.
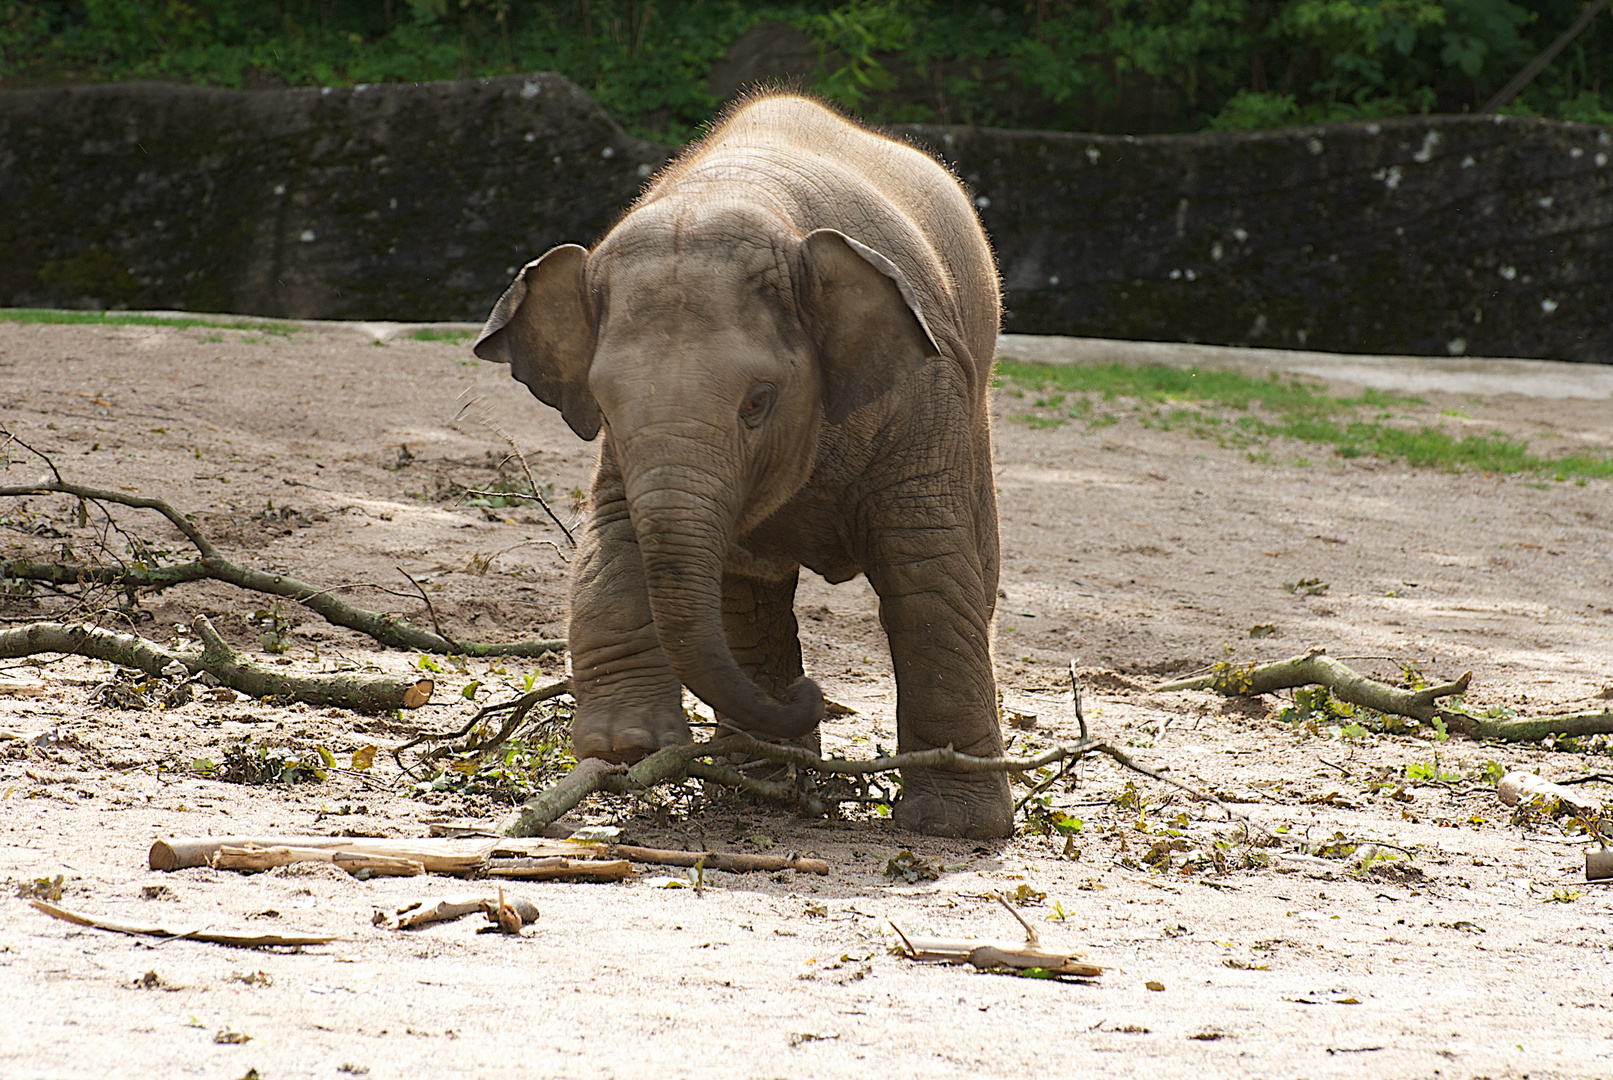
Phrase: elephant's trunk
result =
(683, 518)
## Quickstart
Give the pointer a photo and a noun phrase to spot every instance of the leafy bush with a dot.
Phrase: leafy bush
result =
(1114, 65)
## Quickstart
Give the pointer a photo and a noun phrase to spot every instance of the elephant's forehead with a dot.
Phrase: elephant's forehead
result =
(708, 287)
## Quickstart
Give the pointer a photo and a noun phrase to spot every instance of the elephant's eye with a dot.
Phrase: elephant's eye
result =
(757, 404)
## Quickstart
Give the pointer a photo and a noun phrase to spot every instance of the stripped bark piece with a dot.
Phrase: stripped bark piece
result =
(261, 858)
(243, 938)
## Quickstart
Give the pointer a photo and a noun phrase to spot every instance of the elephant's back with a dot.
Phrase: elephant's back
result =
(820, 170)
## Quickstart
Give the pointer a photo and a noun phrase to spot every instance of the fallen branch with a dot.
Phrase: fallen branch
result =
(1346, 684)
(494, 856)
(517, 708)
(360, 693)
(990, 955)
(592, 775)
(385, 628)
(243, 938)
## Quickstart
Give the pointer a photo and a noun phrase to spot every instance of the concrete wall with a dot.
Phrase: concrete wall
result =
(1437, 235)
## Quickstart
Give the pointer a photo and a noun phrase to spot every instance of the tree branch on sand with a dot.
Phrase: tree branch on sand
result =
(1316, 668)
(385, 628)
(361, 693)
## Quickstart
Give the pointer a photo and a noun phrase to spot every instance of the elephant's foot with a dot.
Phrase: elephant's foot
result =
(938, 803)
(626, 733)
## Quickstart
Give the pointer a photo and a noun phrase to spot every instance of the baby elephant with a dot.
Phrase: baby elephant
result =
(787, 343)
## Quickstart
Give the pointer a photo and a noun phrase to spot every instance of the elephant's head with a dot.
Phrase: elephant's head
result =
(713, 349)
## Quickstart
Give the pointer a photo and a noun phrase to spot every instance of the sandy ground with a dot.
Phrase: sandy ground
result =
(1136, 552)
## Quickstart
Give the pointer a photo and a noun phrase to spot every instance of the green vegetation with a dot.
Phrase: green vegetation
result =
(124, 318)
(1114, 65)
(452, 337)
(1239, 410)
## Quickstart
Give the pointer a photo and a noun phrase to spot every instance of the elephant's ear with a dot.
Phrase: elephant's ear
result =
(543, 328)
(870, 332)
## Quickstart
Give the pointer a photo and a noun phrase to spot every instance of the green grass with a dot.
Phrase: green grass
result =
(452, 337)
(121, 318)
(1248, 412)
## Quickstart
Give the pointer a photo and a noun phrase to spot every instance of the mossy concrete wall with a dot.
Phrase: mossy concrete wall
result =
(1437, 235)
(1432, 236)
(411, 202)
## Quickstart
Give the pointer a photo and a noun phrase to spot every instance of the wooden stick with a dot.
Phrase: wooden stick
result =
(560, 867)
(361, 693)
(448, 908)
(1346, 684)
(551, 804)
(733, 862)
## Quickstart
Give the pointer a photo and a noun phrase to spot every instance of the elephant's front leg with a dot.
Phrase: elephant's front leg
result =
(936, 598)
(629, 702)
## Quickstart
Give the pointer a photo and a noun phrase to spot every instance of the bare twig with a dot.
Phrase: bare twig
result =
(431, 609)
(11, 437)
(1031, 937)
(532, 482)
(517, 708)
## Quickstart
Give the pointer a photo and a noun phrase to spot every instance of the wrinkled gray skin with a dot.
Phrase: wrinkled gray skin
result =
(787, 344)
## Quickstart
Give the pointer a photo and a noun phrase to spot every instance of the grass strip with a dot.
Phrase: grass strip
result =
(127, 318)
(1245, 411)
